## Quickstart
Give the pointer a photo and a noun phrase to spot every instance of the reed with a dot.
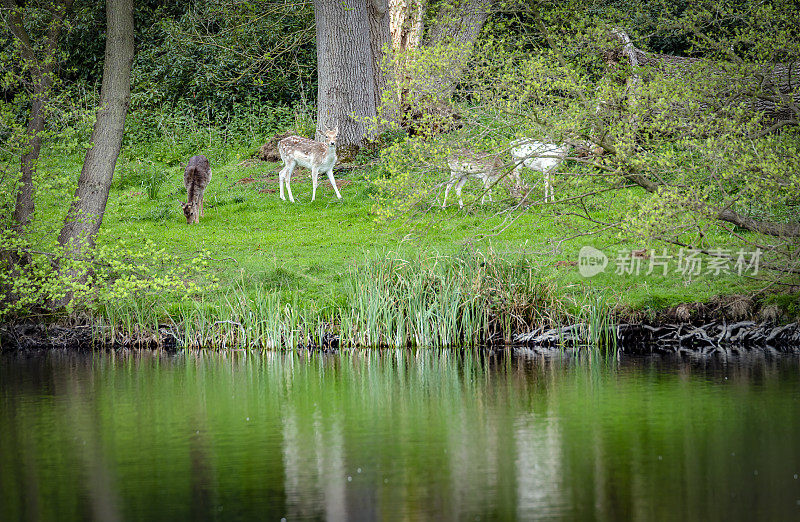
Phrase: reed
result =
(429, 300)
(436, 300)
(600, 330)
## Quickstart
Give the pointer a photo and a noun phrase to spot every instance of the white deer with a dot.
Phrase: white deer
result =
(465, 164)
(541, 156)
(319, 157)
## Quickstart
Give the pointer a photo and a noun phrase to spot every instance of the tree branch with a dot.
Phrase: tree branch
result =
(768, 228)
(17, 28)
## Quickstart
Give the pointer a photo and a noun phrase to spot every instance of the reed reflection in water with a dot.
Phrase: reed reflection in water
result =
(397, 434)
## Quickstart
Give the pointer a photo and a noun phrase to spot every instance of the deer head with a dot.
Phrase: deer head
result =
(187, 211)
(330, 136)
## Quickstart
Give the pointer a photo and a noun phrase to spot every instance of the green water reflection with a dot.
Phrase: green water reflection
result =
(397, 435)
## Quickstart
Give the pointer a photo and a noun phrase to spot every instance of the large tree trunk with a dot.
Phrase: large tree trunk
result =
(406, 23)
(42, 79)
(423, 87)
(86, 211)
(380, 42)
(346, 87)
(458, 25)
(459, 21)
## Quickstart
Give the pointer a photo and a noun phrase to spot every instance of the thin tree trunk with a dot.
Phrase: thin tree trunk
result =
(25, 206)
(85, 214)
(346, 87)
(405, 30)
(424, 96)
(42, 76)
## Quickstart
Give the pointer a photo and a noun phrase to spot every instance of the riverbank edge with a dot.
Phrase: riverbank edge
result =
(725, 324)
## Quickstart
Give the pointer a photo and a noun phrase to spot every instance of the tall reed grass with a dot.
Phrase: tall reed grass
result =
(430, 300)
(597, 318)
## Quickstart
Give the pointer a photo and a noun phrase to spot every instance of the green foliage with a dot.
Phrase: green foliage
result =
(130, 269)
(219, 55)
(145, 175)
(692, 129)
(219, 78)
(597, 314)
(203, 54)
(431, 300)
(788, 303)
(305, 121)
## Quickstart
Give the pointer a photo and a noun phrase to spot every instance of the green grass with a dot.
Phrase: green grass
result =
(287, 271)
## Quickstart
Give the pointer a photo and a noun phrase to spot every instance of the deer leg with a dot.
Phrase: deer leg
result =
(280, 181)
(202, 213)
(548, 187)
(314, 176)
(486, 190)
(459, 186)
(454, 179)
(287, 179)
(517, 179)
(450, 183)
(333, 182)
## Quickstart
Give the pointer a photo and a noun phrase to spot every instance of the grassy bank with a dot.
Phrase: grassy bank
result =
(287, 273)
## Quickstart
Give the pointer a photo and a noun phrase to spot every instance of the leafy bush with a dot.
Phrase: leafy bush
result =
(132, 268)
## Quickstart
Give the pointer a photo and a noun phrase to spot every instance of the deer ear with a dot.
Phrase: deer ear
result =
(336, 131)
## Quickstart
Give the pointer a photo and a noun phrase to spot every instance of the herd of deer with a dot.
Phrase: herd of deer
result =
(320, 157)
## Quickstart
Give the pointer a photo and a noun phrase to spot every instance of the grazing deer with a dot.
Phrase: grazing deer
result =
(196, 177)
(537, 155)
(465, 164)
(319, 157)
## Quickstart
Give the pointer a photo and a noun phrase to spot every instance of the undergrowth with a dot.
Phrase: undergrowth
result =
(428, 300)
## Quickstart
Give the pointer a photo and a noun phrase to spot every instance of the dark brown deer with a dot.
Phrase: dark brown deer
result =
(196, 178)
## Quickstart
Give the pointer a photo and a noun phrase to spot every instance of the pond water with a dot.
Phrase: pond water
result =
(397, 435)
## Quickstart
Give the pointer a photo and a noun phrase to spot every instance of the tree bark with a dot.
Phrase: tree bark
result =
(346, 95)
(42, 80)
(380, 42)
(85, 214)
(405, 32)
(424, 92)
(459, 23)
(406, 23)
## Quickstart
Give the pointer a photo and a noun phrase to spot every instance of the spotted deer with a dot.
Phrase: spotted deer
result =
(196, 178)
(465, 164)
(319, 157)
